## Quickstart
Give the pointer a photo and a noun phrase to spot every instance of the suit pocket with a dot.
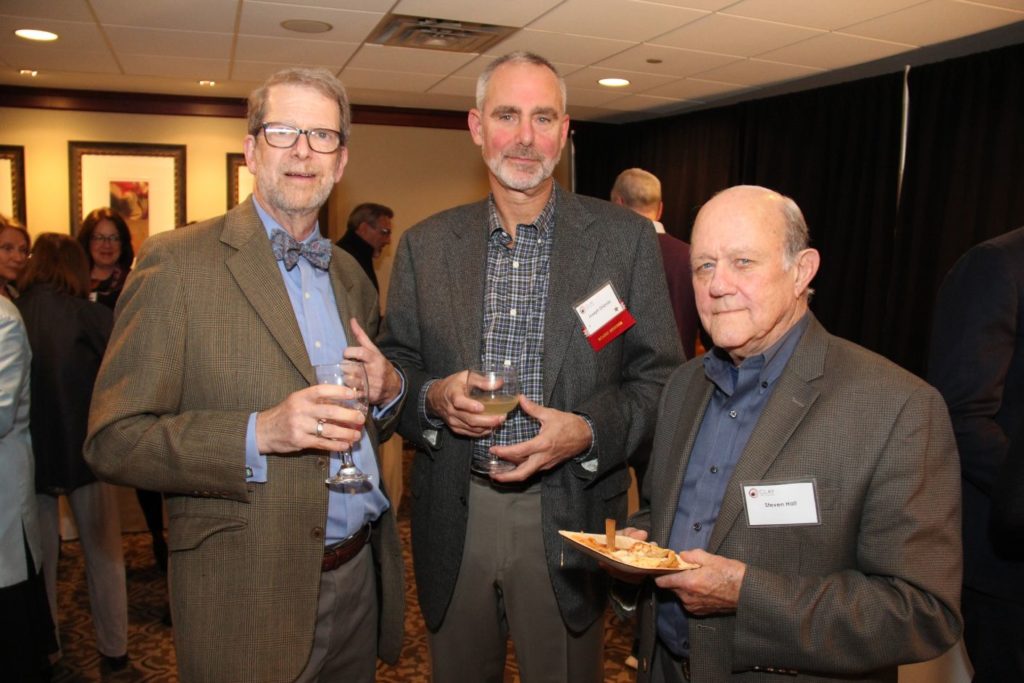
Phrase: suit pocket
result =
(187, 532)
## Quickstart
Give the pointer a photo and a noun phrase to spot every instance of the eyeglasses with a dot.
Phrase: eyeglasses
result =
(384, 231)
(323, 140)
(109, 239)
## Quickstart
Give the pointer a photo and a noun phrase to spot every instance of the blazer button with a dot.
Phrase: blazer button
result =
(321, 462)
(643, 664)
(317, 532)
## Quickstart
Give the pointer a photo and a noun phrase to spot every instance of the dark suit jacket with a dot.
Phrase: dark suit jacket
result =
(205, 335)
(977, 362)
(675, 255)
(433, 329)
(68, 336)
(877, 582)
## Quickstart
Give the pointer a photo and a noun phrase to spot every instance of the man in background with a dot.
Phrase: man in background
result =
(369, 231)
(208, 393)
(512, 280)
(813, 482)
(977, 362)
(640, 191)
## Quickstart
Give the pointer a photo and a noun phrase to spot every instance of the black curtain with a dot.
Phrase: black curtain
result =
(835, 151)
(963, 182)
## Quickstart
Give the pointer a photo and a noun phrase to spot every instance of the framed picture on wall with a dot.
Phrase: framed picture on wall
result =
(239, 179)
(12, 182)
(145, 183)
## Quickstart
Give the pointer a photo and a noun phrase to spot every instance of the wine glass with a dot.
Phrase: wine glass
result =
(496, 386)
(351, 374)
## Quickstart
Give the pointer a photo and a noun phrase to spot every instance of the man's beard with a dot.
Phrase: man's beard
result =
(516, 179)
(290, 202)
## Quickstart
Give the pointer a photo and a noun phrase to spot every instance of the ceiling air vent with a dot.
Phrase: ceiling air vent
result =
(437, 34)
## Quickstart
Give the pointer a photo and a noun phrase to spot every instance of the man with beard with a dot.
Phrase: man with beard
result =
(570, 292)
(208, 394)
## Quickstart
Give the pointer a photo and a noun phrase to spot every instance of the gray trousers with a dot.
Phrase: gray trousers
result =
(94, 508)
(345, 640)
(504, 588)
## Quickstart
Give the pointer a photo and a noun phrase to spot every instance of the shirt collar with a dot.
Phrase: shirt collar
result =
(269, 224)
(720, 369)
(544, 222)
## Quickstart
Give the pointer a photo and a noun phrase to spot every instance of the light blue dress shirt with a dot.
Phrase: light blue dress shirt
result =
(316, 312)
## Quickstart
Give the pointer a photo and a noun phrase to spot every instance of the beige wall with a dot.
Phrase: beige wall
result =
(415, 171)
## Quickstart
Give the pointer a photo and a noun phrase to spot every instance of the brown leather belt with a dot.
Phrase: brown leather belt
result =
(341, 552)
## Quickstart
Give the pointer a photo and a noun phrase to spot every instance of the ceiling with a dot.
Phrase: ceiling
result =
(677, 54)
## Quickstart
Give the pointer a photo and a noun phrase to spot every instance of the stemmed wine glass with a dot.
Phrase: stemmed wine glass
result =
(351, 374)
(497, 387)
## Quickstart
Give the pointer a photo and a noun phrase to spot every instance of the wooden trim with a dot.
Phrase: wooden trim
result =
(16, 154)
(182, 105)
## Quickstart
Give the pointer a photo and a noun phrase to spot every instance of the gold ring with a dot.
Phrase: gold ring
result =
(319, 428)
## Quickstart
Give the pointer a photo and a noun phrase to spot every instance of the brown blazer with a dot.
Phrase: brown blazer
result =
(204, 336)
(877, 583)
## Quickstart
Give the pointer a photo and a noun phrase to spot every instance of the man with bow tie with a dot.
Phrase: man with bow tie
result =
(208, 393)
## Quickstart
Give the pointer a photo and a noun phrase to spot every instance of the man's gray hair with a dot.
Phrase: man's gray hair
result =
(797, 236)
(368, 212)
(321, 80)
(520, 57)
(637, 189)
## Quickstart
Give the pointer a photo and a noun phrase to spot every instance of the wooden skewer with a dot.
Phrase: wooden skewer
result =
(609, 533)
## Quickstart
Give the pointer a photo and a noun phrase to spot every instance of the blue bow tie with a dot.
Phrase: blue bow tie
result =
(287, 249)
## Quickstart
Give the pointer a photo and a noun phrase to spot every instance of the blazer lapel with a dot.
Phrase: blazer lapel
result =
(462, 301)
(256, 272)
(572, 261)
(669, 478)
(789, 403)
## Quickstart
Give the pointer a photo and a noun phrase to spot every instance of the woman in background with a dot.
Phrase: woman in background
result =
(14, 246)
(107, 241)
(68, 335)
(26, 628)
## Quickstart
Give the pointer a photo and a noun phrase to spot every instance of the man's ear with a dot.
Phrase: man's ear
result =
(806, 267)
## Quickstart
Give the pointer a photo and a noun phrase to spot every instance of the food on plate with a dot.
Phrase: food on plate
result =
(632, 552)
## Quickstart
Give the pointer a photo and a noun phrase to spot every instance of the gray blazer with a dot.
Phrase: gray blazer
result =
(204, 336)
(433, 329)
(877, 583)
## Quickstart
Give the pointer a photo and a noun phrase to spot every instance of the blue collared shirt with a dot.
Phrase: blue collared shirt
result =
(740, 395)
(316, 312)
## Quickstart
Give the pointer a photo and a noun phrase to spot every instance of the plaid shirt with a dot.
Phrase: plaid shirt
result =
(515, 300)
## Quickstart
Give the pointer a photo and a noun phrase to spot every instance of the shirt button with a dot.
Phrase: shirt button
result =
(696, 526)
(764, 385)
(305, 295)
(515, 265)
(316, 344)
(733, 414)
(317, 532)
(714, 469)
(512, 313)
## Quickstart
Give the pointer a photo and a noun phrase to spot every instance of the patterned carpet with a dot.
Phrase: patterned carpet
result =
(151, 648)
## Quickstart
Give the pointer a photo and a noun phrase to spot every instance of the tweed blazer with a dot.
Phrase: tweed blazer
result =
(204, 336)
(433, 328)
(876, 583)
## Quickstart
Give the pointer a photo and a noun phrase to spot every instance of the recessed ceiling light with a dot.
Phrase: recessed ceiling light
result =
(614, 82)
(306, 26)
(35, 34)
(208, 84)
(31, 73)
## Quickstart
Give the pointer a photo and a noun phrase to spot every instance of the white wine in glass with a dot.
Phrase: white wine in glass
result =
(496, 386)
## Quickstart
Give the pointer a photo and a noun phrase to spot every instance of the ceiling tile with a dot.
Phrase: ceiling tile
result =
(196, 15)
(824, 15)
(264, 19)
(692, 89)
(175, 67)
(475, 67)
(1007, 4)
(734, 35)
(256, 71)
(619, 19)
(389, 58)
(707, 5)
(592, 97)
(67, 11)
(674, 61)
(588, 77)
(834, 51)
(456, 85)
(354, 77)
(660, 105)
(171, 43)
(758, 72)
(80, 61)
(74, 35)
(918, 25)
(562, 47)
(495, 12)
(293, 51)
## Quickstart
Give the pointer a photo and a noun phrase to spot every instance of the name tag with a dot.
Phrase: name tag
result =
(781, 503)
(604, 316)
